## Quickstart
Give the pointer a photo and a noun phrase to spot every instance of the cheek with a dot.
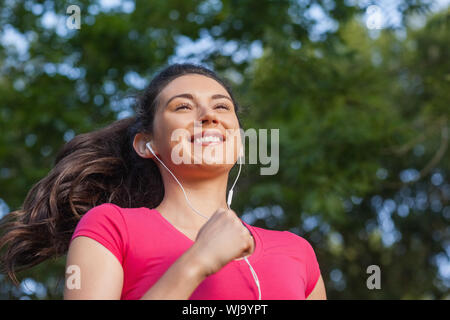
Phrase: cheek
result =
(168, 128)
(174, 142)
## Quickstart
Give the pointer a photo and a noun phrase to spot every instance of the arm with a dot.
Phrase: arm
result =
(179, 281)
(101, 274)
(318, 292)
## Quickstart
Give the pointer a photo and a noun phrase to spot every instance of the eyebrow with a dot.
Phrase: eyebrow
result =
(189, 96)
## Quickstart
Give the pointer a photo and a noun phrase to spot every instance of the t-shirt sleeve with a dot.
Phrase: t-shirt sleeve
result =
(105, 224)
(312, 265)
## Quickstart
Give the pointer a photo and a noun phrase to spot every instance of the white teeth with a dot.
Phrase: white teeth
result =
(207, 139)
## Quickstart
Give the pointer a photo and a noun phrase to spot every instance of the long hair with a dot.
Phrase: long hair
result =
(92, 168)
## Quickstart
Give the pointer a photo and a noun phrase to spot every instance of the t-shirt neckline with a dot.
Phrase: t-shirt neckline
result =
(252, 258)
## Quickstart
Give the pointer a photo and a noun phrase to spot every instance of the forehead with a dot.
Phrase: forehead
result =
(194, 84)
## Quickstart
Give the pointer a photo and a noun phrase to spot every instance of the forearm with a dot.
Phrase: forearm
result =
(179, 281)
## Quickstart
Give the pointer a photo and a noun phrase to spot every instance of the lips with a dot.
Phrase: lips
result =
(208, 137)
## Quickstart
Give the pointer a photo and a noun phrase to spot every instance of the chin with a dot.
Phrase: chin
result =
(204, 171)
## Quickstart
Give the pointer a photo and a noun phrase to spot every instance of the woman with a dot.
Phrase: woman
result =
(140, 237)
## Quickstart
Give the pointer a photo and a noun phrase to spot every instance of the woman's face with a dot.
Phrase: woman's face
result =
(196, 125)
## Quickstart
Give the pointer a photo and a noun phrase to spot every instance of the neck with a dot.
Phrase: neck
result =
(206, 195)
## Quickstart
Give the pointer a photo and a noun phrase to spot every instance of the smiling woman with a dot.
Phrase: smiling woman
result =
(205, 113)
(112, 204)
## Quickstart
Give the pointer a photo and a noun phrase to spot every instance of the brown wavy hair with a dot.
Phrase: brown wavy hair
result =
(92, 168)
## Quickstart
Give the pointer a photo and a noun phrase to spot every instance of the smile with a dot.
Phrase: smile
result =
(208, 137)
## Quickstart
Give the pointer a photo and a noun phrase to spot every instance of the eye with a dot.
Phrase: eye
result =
(222, 106)
(183, 106)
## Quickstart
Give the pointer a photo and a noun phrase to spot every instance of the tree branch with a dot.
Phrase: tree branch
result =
(432, 163)
(403, 149)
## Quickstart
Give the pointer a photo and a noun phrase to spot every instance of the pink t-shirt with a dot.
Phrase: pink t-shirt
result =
(146, 245)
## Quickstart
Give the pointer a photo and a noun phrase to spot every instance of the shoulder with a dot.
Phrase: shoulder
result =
(272, 235)
(298, 240)
(280, 235)
(106, 218)
(105, 212)
(288, 240)
(104, 209)
(110, 211)
(104, 223)
(113, 217)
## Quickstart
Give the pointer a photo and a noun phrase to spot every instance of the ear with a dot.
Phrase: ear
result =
(139, 144)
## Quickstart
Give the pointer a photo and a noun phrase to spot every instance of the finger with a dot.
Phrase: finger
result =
(221, 210)
(231, 212)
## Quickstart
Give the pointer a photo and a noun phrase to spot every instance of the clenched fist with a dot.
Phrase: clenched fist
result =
(220, 240)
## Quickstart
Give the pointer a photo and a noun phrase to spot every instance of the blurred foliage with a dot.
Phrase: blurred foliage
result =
(363, 118)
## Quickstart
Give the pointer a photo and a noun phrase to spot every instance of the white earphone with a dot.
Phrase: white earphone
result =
(229, 199)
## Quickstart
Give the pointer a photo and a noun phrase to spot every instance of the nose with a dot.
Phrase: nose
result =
(208, 116)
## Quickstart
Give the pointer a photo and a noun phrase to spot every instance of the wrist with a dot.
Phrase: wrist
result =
(195, 266)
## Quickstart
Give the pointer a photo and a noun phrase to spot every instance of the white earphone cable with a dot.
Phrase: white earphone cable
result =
(230, 196)
(184, 192)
